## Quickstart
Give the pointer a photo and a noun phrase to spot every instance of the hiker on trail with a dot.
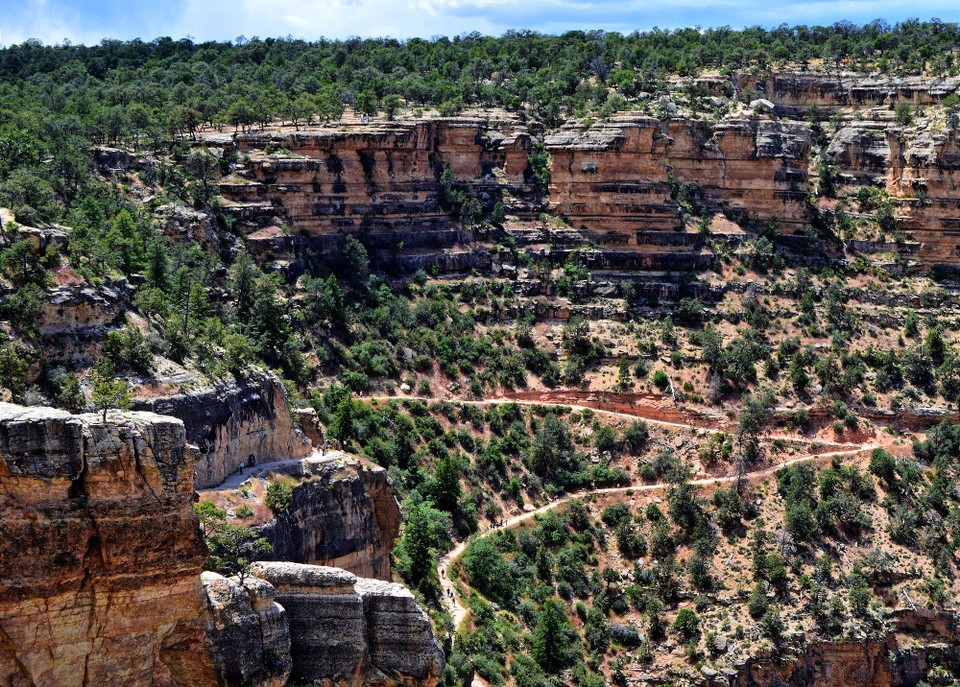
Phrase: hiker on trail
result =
(323, 449)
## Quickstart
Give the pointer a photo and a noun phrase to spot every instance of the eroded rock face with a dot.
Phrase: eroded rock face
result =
(71, 308)
(341, 516)
(248, 631)
(920, 169)
(616, 175)
(74, 320)
(99, 580)
(349, 631)
(384, 176)
(233, 421)
(795, 91)
(616, 180)
(923, 639)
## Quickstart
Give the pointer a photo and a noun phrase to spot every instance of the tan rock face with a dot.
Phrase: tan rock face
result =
(922, 639)
(925, 174)
(346, 518)
(615, 180)
(920, 170)
(99, 580)
(348, 631)
(74, 321)
(72, 308)
(233, 421)
(615, 176)
(797, 90)
(384, 177)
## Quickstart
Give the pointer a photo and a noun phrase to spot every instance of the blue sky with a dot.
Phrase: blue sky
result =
(89, 21)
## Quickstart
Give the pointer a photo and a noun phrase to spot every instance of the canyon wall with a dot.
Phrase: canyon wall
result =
(623, 183)
(296, 196)
(75, 319)
(349, 631)
(231, 422)
(345, 517)
(919, 168)
(794, 92)
(618, 175)
(249, 632)
(382, 178)
(99, 576)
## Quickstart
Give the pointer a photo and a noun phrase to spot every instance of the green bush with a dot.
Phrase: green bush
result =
(661, 380)
(687, 625)
(279, 494)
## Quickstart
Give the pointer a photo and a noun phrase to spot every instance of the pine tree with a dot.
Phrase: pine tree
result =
(108, 391)
(552, 638)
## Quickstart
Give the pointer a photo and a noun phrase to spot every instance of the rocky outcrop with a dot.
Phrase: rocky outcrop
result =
(248, 632)
(68, 309)
(185, 226)
(382, 176)
(104, 584)
(343, 514)
(99, 580)
(925, 175)
(794, 92)
(110, 160)
(349, 631)
(233, 421)
(923, 639)
(619, 175)
(74, 320)
(919, 168)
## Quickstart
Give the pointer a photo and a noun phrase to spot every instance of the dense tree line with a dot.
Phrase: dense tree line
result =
(140, 91)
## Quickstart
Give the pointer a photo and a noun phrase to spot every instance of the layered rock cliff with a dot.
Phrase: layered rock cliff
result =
(249, 632)
(625, 182)
(794, 92)
(233, 421)
(919, 168)
(75, 320)
(383, 177)
(349, 631)
(617, 175)
(343, 516)
(99, 576)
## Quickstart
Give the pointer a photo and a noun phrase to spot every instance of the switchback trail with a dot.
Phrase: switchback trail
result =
(637, 413)
(452, 599)
(617, 405)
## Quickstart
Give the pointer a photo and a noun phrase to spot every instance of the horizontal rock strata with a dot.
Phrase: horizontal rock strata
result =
(350, 631)
(248, 631)
(99, 576)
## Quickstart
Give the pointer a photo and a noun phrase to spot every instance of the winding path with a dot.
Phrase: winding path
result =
(261, 470)
(452, 599)
(639, 414)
